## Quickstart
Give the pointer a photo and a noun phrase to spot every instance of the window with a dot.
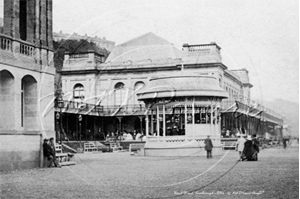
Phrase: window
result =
(175, 121)
(137, 87)
(120, 93)
(78, 91)
(202, 115)
(23, 19)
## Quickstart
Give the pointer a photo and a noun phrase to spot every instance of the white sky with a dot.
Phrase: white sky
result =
(261, 36)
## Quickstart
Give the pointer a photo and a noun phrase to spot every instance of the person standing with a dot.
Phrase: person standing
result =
(52, 145)
(284, 143)
(48, 152)
(256, 143)
(208, 146)
(240, 144)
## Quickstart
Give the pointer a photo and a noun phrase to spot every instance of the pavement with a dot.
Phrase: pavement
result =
(121, 175)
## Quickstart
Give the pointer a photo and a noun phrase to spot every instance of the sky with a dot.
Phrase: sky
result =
(261, 36)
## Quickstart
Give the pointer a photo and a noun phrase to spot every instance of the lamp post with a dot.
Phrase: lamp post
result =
(80, 119)
(60, 105)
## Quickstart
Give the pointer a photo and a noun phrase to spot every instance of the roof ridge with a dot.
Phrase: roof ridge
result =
(144, 35)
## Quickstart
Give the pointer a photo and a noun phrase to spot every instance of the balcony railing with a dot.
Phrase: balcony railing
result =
(79, 107)
(26, 49)
(7, 43)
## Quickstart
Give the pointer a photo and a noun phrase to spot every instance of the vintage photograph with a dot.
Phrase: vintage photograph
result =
(149, 99)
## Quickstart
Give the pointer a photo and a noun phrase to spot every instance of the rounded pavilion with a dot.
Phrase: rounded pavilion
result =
(182, 110)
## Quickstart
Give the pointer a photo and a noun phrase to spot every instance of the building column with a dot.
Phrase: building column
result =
(147, 125)
(164, 122)
(141, 123)
(152, 130)
(185, 119)
(120, 123)
(193, 117)
(157, 121)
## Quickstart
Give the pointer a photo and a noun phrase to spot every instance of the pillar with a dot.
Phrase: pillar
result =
(193, 117)
(152, 122)
(164, 122)
(157, 121)
(185, 119)
(147, 125)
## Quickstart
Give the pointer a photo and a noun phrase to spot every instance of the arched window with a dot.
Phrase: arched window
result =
(120, 93)
(137, 86)
(78, 91)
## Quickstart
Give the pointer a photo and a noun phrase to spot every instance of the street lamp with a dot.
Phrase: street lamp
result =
(60, 105)
(80, 119)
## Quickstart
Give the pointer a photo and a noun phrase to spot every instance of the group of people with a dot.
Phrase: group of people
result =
(49, 152)
(126, 136)
(248, 148)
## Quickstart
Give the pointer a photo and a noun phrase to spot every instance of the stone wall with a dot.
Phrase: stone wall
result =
(19, 151)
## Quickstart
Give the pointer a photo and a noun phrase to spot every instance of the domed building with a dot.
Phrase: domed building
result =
(113, 95)
(181, 111)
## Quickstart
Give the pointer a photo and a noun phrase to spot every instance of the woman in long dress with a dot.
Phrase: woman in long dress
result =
(249, 152)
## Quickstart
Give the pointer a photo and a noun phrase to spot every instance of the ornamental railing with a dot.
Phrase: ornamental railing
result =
(7, 43)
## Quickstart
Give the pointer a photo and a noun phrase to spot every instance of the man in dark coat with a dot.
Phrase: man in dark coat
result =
(208, 146)
(48, 152)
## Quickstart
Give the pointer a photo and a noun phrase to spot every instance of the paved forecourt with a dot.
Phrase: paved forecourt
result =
(120, 175)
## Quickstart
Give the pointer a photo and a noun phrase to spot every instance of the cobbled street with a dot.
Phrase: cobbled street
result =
(120, 175)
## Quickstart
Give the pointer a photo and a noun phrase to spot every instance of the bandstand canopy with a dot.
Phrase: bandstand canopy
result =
(182, 85)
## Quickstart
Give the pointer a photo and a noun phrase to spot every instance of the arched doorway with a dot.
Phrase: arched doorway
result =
(29, 103)
(7, 104)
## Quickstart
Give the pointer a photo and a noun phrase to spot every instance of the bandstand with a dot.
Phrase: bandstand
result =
(182, 110)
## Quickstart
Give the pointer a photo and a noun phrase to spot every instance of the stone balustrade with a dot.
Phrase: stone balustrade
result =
(7, 43)
(202, 48)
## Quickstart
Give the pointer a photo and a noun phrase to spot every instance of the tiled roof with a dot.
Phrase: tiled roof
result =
(146, 47)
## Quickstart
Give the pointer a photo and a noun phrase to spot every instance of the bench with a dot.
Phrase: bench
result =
(115, 147)
(60, 156)
(229, 145)
(136, 147)
(58, 148)
(89, 147)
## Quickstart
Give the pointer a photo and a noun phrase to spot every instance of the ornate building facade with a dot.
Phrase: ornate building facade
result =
(105, 93)
(26, 83)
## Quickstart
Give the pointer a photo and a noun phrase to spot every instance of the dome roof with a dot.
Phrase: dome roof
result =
(146, 47)
(182, 85)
